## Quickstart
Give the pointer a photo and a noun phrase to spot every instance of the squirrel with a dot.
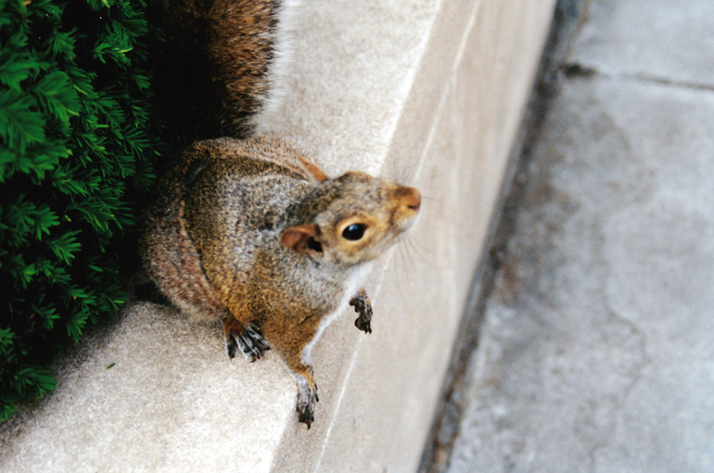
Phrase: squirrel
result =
(252, 233)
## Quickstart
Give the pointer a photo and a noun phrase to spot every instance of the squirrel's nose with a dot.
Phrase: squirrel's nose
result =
(412, 198)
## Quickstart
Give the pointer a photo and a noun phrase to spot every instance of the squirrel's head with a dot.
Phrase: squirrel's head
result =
(352, 219)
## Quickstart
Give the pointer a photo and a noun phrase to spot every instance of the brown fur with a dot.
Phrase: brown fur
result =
(212, 58)
(215, 243)
(250, 232)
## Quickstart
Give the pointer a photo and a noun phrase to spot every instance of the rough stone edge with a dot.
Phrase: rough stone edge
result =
(568, 18)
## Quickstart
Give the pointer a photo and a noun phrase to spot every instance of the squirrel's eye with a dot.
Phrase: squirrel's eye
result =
(354, 232)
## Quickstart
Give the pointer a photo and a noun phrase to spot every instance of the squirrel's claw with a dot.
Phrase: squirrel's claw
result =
(306, 414)
(231, 345)
(363, 307)
(306, 400)
(250, 341)
(363, 325)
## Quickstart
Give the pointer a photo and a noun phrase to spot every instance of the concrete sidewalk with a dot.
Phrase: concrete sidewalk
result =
(597, 346)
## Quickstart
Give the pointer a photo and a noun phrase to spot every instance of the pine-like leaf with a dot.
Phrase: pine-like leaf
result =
(77, 152)
(65, 245)
(6, 337)
(44, 220)
(57, 95)
(15, 67)
(62, 44)
(20, 124)
(37, 379)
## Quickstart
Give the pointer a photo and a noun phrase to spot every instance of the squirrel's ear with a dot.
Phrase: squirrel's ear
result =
(302, 239)
(317, 173)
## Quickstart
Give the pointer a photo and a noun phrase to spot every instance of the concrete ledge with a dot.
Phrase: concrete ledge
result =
(430, 92)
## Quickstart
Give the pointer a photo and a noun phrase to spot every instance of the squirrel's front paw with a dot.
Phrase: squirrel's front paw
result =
(364, 308)
(306, 400)
(248, 338)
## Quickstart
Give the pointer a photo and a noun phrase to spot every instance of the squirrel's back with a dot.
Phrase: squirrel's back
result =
(216, 204)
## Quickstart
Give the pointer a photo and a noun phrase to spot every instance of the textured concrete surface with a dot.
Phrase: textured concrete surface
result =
(429, 92)
(596, 351)
(451, 140)
(668, 40)
(170, 395)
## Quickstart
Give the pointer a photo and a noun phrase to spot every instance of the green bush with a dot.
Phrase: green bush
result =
(77, 151)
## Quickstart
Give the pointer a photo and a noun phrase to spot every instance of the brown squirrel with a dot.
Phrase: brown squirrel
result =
(250, 232)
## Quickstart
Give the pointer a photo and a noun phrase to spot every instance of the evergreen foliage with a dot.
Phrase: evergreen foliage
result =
(77, 151)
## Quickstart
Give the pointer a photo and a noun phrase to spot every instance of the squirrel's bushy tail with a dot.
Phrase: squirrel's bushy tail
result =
(211, 59)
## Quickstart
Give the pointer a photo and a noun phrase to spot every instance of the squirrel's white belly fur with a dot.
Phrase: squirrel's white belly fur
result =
(352, 287)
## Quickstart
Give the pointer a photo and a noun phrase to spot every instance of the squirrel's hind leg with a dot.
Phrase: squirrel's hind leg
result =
(248, 337)
(363, 307)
